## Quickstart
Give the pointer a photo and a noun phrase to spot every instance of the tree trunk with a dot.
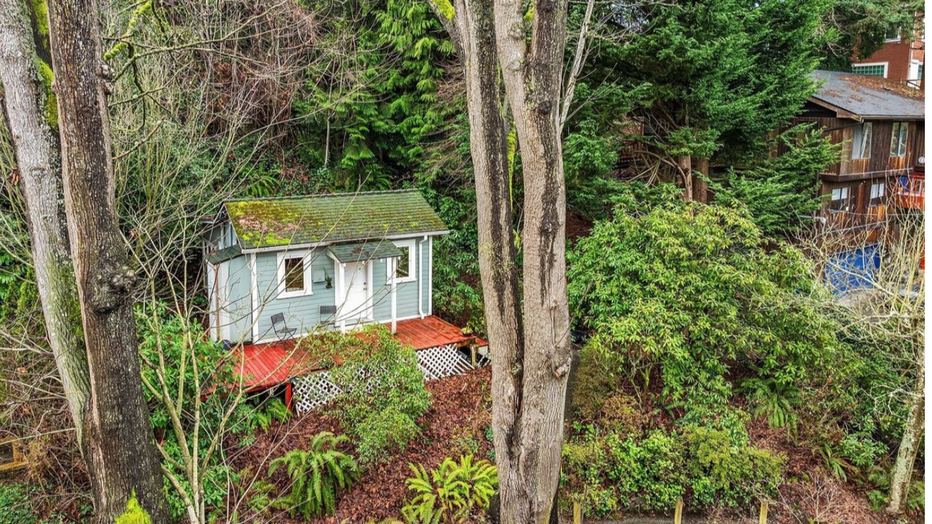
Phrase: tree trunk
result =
(909, 445)
(119, 447)
(27, 104)
(529, 425)
(700, 187)
(685, 165)
(530, 352)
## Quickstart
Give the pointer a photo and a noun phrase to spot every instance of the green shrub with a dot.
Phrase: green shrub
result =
(611, 471)
(727, 475)
(652, 469)
(16, 504)
(592, 382)
(382, 396)
(452, 492)
(134, 513)
(693, 293)
(318, 475)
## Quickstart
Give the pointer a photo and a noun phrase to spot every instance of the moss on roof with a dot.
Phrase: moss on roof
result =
(272, 222)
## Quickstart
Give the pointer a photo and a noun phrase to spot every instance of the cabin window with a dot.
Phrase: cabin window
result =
(293, 275)
(898, 140)
(861, 145)
(840, 199)
(405, 270)
(878, 190)
(870, 69)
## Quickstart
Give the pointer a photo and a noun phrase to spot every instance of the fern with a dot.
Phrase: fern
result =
(835, 464)
(318, 475)
(772, 400)
(450, 492)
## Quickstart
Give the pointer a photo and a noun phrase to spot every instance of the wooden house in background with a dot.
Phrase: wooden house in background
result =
(880, 126)
(879, 180)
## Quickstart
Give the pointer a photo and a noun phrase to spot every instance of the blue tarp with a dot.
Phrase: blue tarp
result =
(852, 269)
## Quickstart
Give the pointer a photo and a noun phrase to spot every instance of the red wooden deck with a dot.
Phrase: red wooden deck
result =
(265, 365)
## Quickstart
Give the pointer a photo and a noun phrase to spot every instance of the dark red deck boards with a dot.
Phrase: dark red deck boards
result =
(428, 332)
(267, 365)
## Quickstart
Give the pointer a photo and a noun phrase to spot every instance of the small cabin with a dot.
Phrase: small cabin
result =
(279, 268)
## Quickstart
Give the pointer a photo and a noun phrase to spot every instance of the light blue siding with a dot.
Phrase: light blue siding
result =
(423, 271)
(239, 300)
(406, 295)
(301, 313)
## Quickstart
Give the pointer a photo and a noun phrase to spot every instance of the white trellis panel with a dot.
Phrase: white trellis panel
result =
(315, 390)
(312, 391)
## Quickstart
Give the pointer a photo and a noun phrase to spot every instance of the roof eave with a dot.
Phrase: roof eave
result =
(840, 112)
(309, 245)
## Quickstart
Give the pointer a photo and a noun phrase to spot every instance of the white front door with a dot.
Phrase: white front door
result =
(356, 306)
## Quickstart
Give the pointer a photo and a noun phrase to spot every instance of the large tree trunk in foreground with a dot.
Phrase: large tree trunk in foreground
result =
(529, 426)
(530, 352)
(27, 103)
(119, 450)
(909, 445)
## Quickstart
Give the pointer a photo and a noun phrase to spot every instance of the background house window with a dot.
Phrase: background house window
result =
(898, 140)
(861, 144)
(294, 274)
(406, 271)
(840, 199)
(878, 190)
(870, 69)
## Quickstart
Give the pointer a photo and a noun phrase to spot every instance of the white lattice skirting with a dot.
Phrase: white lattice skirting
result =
(315, 390)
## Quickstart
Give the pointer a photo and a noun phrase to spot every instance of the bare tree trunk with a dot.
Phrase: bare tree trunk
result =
(530, 352)
(685, 164)
(27, 103)
(119, 447)
(529, 426)
(700, 187)
(909, 445)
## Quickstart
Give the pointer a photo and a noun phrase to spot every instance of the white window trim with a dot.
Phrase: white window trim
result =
(886, 66)
(895, 139)
(308, 285)
(866, 153)
(411, 244)
(881, 194)
(845, 196)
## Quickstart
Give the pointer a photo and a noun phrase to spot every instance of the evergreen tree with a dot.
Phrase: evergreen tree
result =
(714, 77)
(858, 28)
(372, 126)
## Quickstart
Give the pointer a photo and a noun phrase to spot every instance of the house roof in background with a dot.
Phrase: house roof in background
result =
(362, 251)
(301, 220)
(224, 254)
(867, 97)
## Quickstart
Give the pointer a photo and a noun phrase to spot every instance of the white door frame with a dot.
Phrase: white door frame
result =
(342, 293)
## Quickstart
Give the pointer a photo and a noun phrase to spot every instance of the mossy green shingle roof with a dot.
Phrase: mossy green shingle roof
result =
(273, 222)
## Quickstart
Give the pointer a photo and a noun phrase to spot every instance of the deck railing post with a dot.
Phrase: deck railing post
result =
(678, 512)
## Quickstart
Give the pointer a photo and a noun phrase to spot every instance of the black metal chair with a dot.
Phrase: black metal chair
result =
(281, 328)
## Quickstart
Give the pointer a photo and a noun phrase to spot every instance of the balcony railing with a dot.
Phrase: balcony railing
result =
(910, 190)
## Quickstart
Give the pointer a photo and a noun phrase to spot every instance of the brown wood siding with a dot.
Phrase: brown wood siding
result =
(841, 131)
